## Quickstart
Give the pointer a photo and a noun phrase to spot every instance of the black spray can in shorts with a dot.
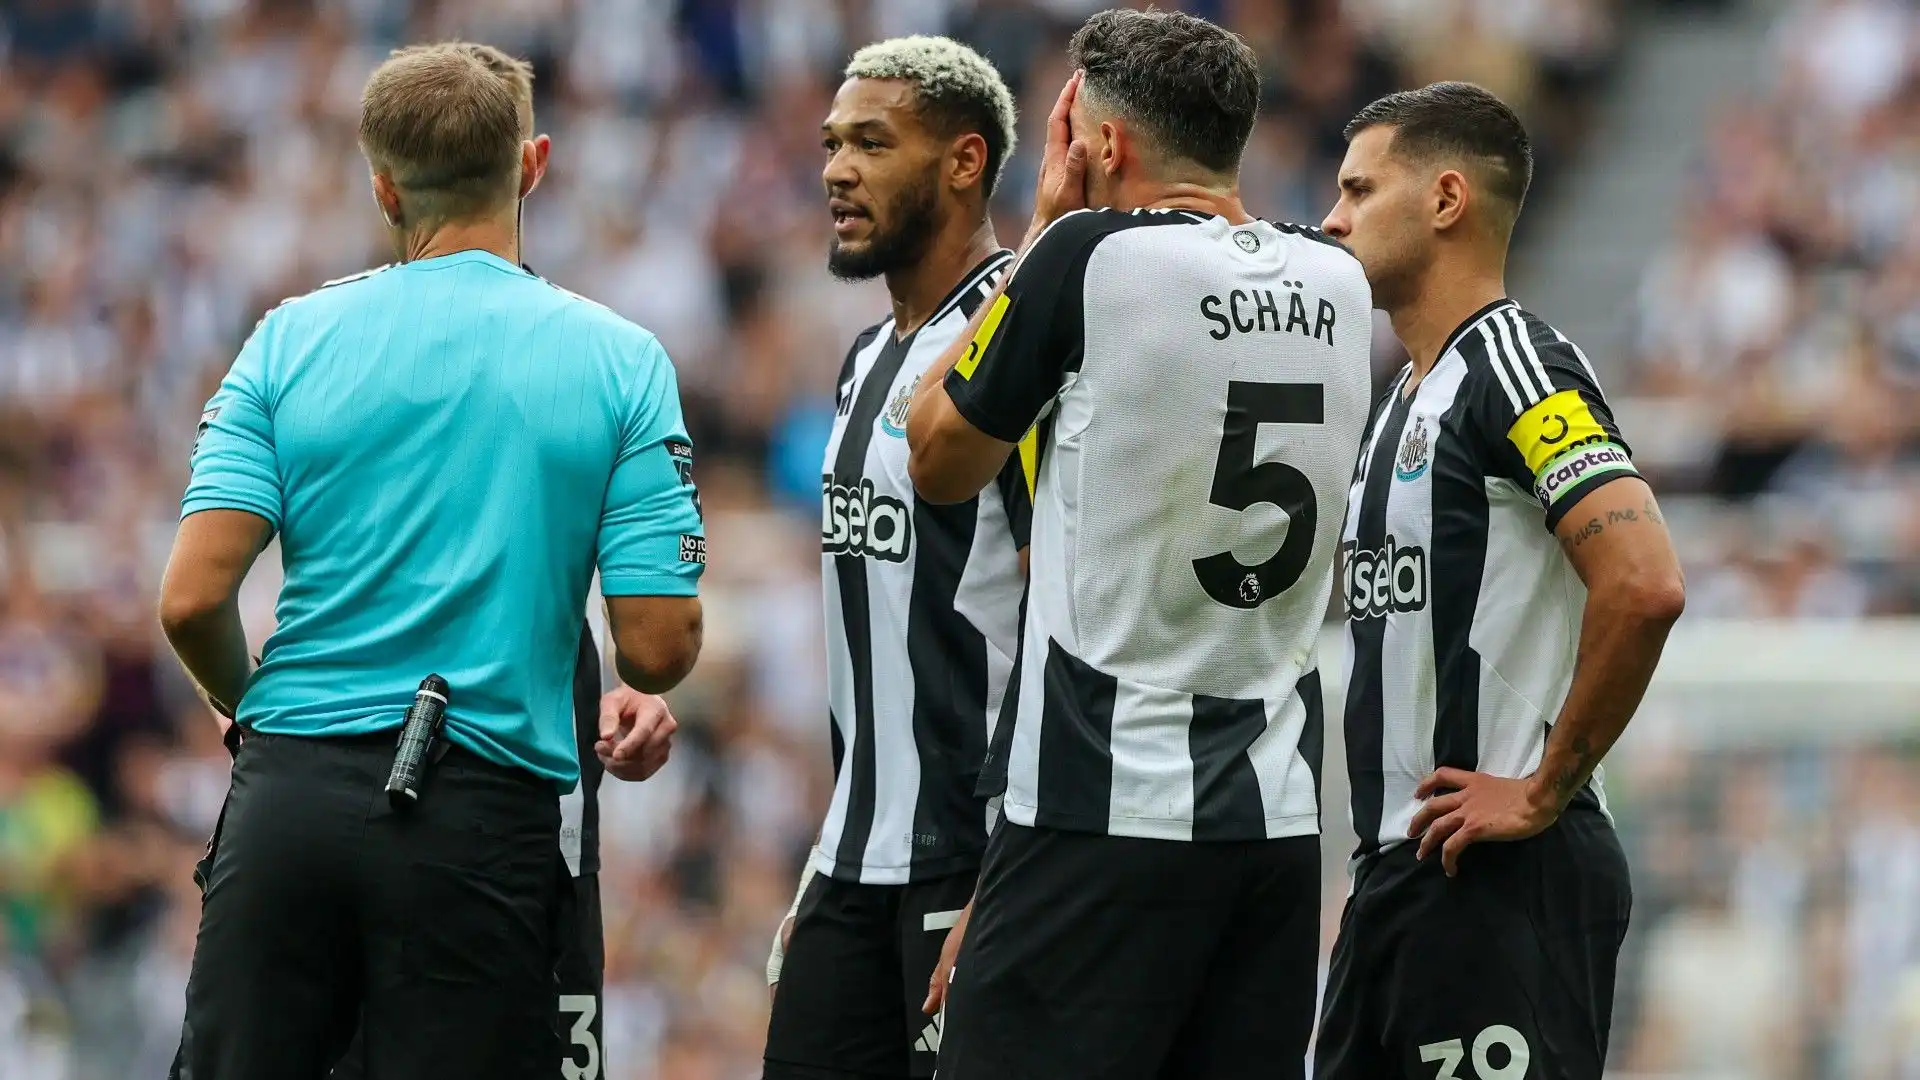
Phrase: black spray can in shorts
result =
(417, 736)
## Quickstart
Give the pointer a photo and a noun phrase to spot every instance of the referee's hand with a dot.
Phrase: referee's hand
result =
(1464, 808)
(636, 733)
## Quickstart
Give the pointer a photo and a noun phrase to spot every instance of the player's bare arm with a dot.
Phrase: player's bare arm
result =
(1617, 541)
(950, 459)
(200, 601)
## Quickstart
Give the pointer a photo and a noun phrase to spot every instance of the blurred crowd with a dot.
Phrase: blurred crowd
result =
(1776, 914)
(169, 169)
(1778, 337)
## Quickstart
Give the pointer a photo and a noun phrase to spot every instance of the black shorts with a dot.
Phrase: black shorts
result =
(854, 978)
(324, 910)
(1503, 973)
(579, 972)
(1117, 958)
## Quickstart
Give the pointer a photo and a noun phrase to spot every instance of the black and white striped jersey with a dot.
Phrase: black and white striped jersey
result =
(1200, 388)
(1462, 612)
(922, 610)
(580, 808)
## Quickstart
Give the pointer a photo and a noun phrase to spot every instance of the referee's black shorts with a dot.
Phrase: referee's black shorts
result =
(855, 974)
(1118, 958)
(1503, 973)
(325, 911)
(579, 973)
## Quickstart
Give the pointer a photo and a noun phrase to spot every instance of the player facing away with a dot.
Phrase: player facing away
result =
(1509, 585)
(1149, 904)
(922, 599)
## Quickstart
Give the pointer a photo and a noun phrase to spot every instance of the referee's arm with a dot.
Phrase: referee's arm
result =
(653, 545)
(230, 512)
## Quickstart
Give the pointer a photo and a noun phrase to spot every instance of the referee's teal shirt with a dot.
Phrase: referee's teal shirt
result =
(446, 447)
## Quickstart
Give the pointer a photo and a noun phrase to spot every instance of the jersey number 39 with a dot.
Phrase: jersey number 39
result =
(1240, 483)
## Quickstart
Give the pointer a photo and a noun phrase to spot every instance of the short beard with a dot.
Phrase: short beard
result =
(916, 222)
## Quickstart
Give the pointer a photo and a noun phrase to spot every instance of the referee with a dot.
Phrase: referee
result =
(445, 447)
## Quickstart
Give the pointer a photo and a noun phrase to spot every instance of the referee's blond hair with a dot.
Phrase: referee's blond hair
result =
(445, 123)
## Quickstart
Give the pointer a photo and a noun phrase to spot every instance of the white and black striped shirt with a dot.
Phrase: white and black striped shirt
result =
(1463, 613)
(922, 607)
(592, 677)
(1201, 388)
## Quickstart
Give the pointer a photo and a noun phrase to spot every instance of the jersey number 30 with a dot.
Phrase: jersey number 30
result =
(1239, 483)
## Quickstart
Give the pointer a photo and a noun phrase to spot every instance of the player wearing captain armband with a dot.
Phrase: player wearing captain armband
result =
(1509, 584)
(1569, 450)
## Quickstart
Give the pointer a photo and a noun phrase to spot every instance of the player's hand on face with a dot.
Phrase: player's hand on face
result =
(1063, 166)
(636, 733)
(1475, 808)
(943, 971)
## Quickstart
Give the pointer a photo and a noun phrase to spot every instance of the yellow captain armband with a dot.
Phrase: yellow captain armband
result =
(1564, 446)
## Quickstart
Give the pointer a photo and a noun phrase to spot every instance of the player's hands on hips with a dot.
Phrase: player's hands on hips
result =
(1476, 807)
(943, 971)
(636, 733)
(1063, 167)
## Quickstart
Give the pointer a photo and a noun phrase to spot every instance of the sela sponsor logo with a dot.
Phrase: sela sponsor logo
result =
(860, 522)
(1377, 583)
(894, 420)
(1565, 472)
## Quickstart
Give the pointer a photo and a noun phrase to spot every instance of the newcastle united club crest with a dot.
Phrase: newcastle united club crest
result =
(894, 420)
(1416, 450)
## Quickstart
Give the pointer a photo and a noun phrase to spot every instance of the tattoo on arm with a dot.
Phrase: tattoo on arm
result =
(1595, 526)
(1576, 771)
(1585, 533)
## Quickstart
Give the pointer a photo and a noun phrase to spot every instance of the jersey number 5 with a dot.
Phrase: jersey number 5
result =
(1239, 483)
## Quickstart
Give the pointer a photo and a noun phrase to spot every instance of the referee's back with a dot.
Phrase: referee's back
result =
(433, 441)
